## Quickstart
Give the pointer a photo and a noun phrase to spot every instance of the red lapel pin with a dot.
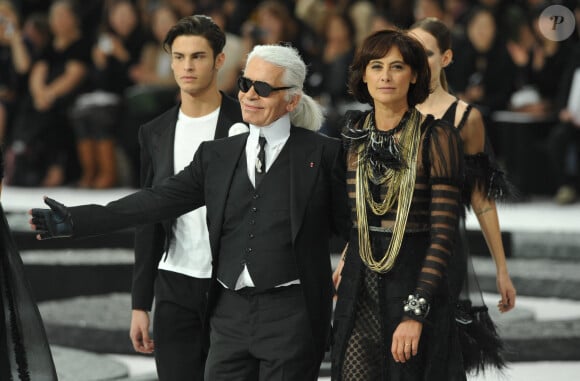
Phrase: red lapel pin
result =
(311, 164)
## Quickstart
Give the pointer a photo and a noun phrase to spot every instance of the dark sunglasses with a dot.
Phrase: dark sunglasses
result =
(261, 88)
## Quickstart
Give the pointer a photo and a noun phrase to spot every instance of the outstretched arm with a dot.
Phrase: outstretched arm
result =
(175, 196)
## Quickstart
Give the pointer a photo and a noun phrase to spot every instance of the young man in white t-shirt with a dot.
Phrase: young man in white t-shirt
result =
(175, 255)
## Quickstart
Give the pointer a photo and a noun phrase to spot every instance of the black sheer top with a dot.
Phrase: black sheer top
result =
(435, 203)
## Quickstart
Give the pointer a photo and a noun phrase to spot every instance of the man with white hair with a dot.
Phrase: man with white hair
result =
(274, 196)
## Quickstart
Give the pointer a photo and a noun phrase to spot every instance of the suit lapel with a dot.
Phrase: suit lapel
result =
(305, 160)
(163, 143)
(230, 113)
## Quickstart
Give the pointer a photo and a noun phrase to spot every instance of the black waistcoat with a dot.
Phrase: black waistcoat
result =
(256, 230)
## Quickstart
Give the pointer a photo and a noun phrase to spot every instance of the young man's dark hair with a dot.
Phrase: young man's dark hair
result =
(197, 25)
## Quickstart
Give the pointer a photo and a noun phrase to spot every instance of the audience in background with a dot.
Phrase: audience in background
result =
(539, 68)
(42, 150)
(15, 62)
(502, 62)
(155, 89)
(97, 113)
(482, 70)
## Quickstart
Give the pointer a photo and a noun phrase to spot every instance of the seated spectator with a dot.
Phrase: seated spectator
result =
(154, 66)
(42, 151)
(482, 71)
(539, 68)
(15, 62)
(234, 52)
(274, 23)
(336, 57)
(97, 114)
(155, 89)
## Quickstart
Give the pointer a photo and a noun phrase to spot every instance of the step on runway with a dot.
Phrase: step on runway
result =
(78, 365)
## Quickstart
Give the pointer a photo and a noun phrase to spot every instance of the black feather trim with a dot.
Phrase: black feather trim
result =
(483, 174)
(353, 133)
(481, 346)
(381, 150)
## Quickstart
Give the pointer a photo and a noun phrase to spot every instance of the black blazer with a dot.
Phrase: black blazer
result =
(156, 139)
(318, 208)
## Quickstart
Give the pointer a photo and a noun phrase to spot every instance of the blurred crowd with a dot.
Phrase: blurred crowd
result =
(78, 78)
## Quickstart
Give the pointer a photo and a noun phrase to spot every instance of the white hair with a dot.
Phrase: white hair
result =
(308, 113)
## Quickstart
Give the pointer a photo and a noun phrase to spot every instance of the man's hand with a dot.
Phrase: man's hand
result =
(55, 222)
(140, 332)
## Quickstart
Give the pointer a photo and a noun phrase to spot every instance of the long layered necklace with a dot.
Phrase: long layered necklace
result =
(398, 171)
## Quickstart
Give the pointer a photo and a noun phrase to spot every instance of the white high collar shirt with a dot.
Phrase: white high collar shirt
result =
(276, 135)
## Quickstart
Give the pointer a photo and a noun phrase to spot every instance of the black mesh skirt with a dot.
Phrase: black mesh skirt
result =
(369, 309)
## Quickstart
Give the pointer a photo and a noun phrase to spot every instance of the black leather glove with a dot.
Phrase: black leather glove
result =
(55, 222)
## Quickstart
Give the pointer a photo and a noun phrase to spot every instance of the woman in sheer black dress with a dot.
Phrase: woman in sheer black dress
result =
(393, 318)
(484, 182)
(24, 351)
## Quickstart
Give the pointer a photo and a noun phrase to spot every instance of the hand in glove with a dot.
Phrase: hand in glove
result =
(55, 222)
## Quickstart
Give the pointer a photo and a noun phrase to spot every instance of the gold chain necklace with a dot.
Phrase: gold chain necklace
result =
(401, 184)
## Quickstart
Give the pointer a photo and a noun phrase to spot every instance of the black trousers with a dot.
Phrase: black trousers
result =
(180, 303)
(261, 336)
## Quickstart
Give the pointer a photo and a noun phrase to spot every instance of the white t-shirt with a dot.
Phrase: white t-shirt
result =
(189, 251)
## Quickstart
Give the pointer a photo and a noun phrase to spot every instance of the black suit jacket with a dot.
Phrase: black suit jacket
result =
(318, 208)
(156, 139)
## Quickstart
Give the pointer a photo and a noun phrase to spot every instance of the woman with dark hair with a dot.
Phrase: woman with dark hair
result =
(484, 182)
(393, 318)
(97, 115)
(24, 351)
(42, 148)
(483, 71)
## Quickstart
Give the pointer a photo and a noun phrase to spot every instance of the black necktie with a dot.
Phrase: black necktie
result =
(260, 162)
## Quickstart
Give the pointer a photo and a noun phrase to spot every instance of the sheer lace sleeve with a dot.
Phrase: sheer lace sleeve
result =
(443, 160)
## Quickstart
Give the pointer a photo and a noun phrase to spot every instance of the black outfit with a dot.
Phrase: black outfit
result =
(98, 119)
(547, 79)
(180, 300)
(45, 138)
(316, 207)
(494, 70)
(24, 350)
(481, 345)
(370, 304)
(12, 85)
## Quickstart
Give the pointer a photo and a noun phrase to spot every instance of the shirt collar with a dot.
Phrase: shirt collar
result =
(275, 133)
